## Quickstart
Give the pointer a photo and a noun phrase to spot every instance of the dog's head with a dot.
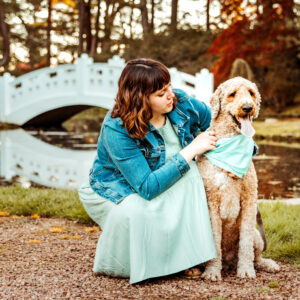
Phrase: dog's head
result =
(237, 98)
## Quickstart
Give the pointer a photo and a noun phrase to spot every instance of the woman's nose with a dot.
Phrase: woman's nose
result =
(170, 93)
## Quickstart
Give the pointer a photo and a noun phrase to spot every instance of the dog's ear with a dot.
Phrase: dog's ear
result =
(215, 102)
(257, 102)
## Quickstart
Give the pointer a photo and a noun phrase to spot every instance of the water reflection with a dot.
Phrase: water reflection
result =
(278, 172)
(62, 159)
(33, 160)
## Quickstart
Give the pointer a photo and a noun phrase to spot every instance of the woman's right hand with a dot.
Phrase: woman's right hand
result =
(203, 142)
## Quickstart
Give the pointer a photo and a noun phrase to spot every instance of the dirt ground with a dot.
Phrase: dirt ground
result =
(52, 259)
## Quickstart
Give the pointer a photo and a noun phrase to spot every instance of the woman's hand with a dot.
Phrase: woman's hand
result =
(203, 142)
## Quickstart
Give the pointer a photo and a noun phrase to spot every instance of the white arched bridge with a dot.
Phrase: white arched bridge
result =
(54, 94)
(51, 95)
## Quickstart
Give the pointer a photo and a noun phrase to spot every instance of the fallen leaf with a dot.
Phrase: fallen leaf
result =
(273, 284)
(14, 217)
(56, 229)
(34, 242)
(4, 214)
(64, 237)
(76, 237)
(35, 216)
(91, 229)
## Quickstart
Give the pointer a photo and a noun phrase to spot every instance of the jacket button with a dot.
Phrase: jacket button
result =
(185, 142)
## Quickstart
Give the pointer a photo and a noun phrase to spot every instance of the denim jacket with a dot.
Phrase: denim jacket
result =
(125, 165)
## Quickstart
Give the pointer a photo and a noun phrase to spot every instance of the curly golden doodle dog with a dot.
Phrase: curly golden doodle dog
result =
(232, 200)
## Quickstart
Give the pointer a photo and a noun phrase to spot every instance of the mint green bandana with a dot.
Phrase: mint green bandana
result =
(233, 154)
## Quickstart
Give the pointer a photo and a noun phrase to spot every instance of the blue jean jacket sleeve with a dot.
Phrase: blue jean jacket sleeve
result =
(204, 114)
(132, 164)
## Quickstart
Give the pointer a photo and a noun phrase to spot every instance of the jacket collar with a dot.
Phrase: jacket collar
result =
(178, 118)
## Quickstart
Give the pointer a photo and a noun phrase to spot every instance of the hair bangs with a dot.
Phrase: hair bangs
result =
(159, 79)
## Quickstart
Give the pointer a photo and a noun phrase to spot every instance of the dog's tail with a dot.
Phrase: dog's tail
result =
(261, 228)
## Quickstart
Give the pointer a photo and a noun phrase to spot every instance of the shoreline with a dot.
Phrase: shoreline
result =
(289, 201)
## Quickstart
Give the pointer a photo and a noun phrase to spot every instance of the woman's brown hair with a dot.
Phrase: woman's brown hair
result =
(140, 78)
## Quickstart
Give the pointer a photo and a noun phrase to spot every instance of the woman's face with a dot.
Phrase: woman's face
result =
(161, 101)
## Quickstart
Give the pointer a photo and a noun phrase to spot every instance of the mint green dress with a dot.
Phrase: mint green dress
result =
(144, 239)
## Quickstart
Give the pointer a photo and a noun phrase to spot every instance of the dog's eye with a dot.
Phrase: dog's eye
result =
(251, 93)
(232, 94)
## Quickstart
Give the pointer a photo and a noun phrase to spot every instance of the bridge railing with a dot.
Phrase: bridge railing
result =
(82, 83)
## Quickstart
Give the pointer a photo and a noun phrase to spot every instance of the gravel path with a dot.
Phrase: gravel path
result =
(52, 259)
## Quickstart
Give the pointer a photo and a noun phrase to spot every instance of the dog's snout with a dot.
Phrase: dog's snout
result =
(247, 108)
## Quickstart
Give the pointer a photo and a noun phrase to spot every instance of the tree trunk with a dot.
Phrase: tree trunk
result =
(207, 15)
(95, 39)
(87, 26)
(267, 6)
(49, 25)
(174, 16)
(81, 17)
(5, 33)
(145, 19)
(152, 15)
(131, 19)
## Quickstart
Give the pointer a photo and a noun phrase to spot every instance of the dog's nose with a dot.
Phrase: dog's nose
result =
(247, 108)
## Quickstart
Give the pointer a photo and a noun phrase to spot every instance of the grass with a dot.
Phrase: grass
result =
(6, 126)
(44, 202)
(93, 113)
(278, 127)
(292, 110)
(282, 226)
(281, 221)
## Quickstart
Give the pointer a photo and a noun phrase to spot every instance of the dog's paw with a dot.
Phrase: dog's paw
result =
(212, 274)
(246, 272)
(268, 265)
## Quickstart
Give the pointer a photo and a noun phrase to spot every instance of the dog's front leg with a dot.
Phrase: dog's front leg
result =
(213, 267)
(245, 267)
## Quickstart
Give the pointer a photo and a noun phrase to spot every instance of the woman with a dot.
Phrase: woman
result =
(145, 190)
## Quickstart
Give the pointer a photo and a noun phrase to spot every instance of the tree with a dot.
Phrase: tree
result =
(95, 38)
(174, 16)
(207, 15)
(49, 25)
(267, 41)
(5, 34)
(145, 20)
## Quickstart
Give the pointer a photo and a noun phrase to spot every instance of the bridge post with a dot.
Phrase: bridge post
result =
(204, 85)
(5, 96)
(176, 78)
(82, 73)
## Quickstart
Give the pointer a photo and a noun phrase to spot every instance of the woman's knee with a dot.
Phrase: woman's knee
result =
(128, 210)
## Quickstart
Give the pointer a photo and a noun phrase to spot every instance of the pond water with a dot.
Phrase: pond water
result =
(277, 165)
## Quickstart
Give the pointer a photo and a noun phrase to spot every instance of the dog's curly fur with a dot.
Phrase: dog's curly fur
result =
(232, 201)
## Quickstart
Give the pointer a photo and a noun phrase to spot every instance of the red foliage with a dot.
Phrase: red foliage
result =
(27, 67)
(255, 40)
